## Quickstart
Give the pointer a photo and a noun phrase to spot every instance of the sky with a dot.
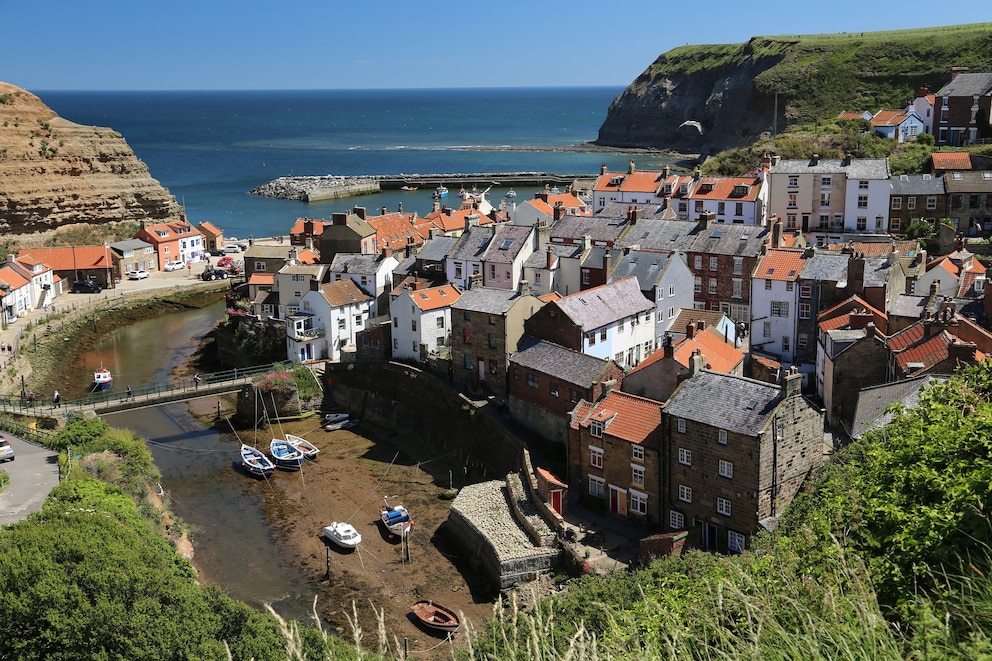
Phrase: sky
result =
(329, 44)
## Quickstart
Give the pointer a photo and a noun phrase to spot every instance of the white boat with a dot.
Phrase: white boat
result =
(343, 534)
(102, 380)
(510, 194)
(256, 463)
(285, 455)
(395, 517)
(309, 450)
(441, 191)
(341, 424)
(330, 418)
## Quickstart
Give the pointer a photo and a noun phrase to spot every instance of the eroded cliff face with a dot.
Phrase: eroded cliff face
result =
(54, 172)
(724, 100)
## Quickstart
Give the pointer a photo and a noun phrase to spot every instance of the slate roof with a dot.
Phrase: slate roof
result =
(437, 249)
(647, 267)
(594, 259)
(597, 228)
(729, 239)
(654, 210)
(600, 306)
(859, 168)
(661, 235)
(873, 401)
(917, 184)
(539, 259)
(473, 243)
(487, 299)
(905, 305)
(967, 84)
(137, 245)
(560, 362)
(507, 243)
(822, 266)
(353, 262)
(628, 417)
(725, 401)
(968, 182)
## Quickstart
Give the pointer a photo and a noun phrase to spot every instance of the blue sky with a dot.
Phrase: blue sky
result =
(329, 44)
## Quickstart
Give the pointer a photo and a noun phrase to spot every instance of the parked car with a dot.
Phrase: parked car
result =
(232, 249)
(216, 252)
(86, 287)
(140, 274)
(6, 452)
(175, 266)
(243, 247)
(225, 260)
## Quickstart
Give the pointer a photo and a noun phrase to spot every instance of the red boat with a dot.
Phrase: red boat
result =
(436, 616)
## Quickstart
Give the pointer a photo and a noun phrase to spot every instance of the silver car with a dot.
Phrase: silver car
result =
(6, 452)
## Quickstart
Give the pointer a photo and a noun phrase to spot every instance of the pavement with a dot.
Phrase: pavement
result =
(33, 473)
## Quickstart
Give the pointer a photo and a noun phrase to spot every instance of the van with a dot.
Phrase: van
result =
(232, 249)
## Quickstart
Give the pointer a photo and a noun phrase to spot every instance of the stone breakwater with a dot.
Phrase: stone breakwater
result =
(312, 189)
(481, 516)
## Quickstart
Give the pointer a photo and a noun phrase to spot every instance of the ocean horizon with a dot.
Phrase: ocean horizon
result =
(209, 149)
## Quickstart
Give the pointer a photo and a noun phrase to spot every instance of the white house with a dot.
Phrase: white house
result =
(327, 321)
(373, 273)
(421, 320)
(898, 125)
(294, 280)
(546, 208)
(775, 303)
(464, 261)
(740, 200)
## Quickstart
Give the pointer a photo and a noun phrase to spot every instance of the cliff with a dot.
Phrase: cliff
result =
(737, 93)
(56, 172)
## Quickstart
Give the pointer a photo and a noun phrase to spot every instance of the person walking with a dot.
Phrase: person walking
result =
(56, 400)
(31, 398)
(196, 381)
(130, 395)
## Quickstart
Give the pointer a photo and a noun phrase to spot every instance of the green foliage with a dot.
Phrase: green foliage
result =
(79, 433)
(4, 478)
(305, 382)
(6, 98)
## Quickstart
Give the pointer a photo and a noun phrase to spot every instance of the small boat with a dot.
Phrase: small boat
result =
(330, 418)
(436, 616)
(440, 191)
(395, 517)
(510, 194)
(408, 189)
(343, 534)
(285, 455)
(341, 424)
(310, 451)
(102, 380)
(255, 462)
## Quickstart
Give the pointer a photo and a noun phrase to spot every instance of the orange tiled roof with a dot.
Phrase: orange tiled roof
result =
(951, 160)
(851, 114)
(549, 477)
(721, 188)
(210, 227)
(629, 417)
(68, 258)
(889, 118)
(449, 220)
(780, 264)
(878, 248)
(720, 356)
(308, 256)
(396, 230)
(318, 226)
(434, 297)
(262, 279)
(9, 276)
(550, 296)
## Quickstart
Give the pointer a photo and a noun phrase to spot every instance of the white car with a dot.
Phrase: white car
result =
(140, 274)
(6, 452)
(175, 266)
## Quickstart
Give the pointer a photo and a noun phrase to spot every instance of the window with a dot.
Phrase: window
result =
(780, 309)
(790, 221)
(591, 339)
(805, 291)
(492, 320)
(792, 201)
(713, 263)
(531, 380)
(493, 341)
(440, 322)
(396, 322)
(671, 312)
(931, 202)
(467, 335)
(712, 287)
(825, 182)
(585, 276)
(492, 271)
(697, 285)
(493, 366)
(824, 221)
(596, 487)
(637, 502)
(516, 373)
(620, 326)
(721, 208)
(738, 265)
(735, 541)
(722, 437)
(697, 262)
(862, 223)
(739, 209)
(554, 389)
(468, 362)
(862, 184)
(793, 182)
(786, 343)
(723, 506)
(466, 316)
(537, 278)
(789, 286)
(341, 324)
(596, 428)
(574, 396)
(685, 493)
(414, 349)
(766, 329)
(726, 469)
(862, 201)
(699, 206)
(396, 343)
(595, 456)
(824, 199)
(738, 291)
(685, 457)
(804, 310)
(768, 285)
(803, 340)
(897, 203)
(637, 452)
(637, 475)
(681, 425)
(671, 290)
(602, 335)
(413, 325)
(458, 270)
(911, 203)
(676, 520)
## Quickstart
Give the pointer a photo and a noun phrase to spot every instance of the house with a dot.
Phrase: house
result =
(612, 321)
(131, 255)
(829, 197)
(916, 198)
(923, 105)
(942, 162)
(596, 264)
(958, 275)
(266, 260)
(26, 284)
(614, 455)
(264, 300)
(347, 233)
(731, 200)
(306, 232)
(213, 236)
(969, 201)
(775, 305)
(711, 320)
(722, 258)
(397, 231)
(850, 355)
(175, 241)
(421, 320)
(446, 220)
(963, 108)
(898, 125)
(660, 235)
(486, 327)
(430, 261)
(504, 257)
(547, 208)
(664, 279)
(939, 344)
(373, 273)
(851, 115)
(71, 263)
(327, 322)
(602, 232)
(464, 262)
(292, 281)
(735, 452)
(554, 269)
(647, 187)
(547, 381)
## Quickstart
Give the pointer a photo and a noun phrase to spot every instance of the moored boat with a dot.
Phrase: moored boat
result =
(395, 517)
(331, 418)
(441, 191)
(510, 194)
(343, 534)
(341, 424)
(285, 455)
(436, 616)
(102, 380)
(408, 189)
(310, 451)
(255, 462)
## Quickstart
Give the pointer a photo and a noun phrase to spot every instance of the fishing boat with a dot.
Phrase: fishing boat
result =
(436, 616)
(310, 451)
(510, 194)
(255, 462)
(102, 380)
(440, 191)
(343, 534)
(395, 517)
(285, 455)
(408, 189)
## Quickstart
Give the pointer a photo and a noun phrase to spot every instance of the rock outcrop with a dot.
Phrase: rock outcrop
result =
(55, 172)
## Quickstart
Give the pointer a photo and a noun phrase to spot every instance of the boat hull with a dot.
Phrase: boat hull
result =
(253, 461)
(342, 534)
(396, 519)
(309, 450)
(435, 616)
(285, 456)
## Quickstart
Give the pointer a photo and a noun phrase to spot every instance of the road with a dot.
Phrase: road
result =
(33, 473)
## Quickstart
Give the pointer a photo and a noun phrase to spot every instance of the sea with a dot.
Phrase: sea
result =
(210, 149)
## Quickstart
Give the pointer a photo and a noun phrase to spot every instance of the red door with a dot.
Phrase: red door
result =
(556, 500)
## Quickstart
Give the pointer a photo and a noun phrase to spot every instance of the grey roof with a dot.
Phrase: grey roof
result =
(905, 305)
(473, 243)
(729, 239)
(303, 269)
(968, 182)
(655, 210)
(129, 244)
(843, 338)
(725, 401)
(486, 299)
(647, 267)
(967, 84)
(597, 228)
(268, 252)
(353, 262)
(538, 259)
(917, 184)
(662, 235)
(560, 362)
(507, 243)
(873, 401)
(436, 249)
(594, 258)
(877, 271)
(859, 168)
(826, 267)
(599, 306)
(406, 266)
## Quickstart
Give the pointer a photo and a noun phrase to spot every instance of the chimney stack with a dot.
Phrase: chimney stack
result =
(339, 218)
(955, 71)
(550, 257)
(690, 329)
(792, 383)
(666, 171)
(360, 212)
(630, 166)
(559, 211)
(669, 347)
(697, 362)
(602, 169)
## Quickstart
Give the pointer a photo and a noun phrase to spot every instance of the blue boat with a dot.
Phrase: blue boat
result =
(395, 517)
(255, 462)
(285, 455)
(440, 191)
(102, 380)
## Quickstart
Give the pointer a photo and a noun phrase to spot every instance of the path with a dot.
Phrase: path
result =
(33, 473)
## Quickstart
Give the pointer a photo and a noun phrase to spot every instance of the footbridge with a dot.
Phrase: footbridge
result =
(147, 395)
